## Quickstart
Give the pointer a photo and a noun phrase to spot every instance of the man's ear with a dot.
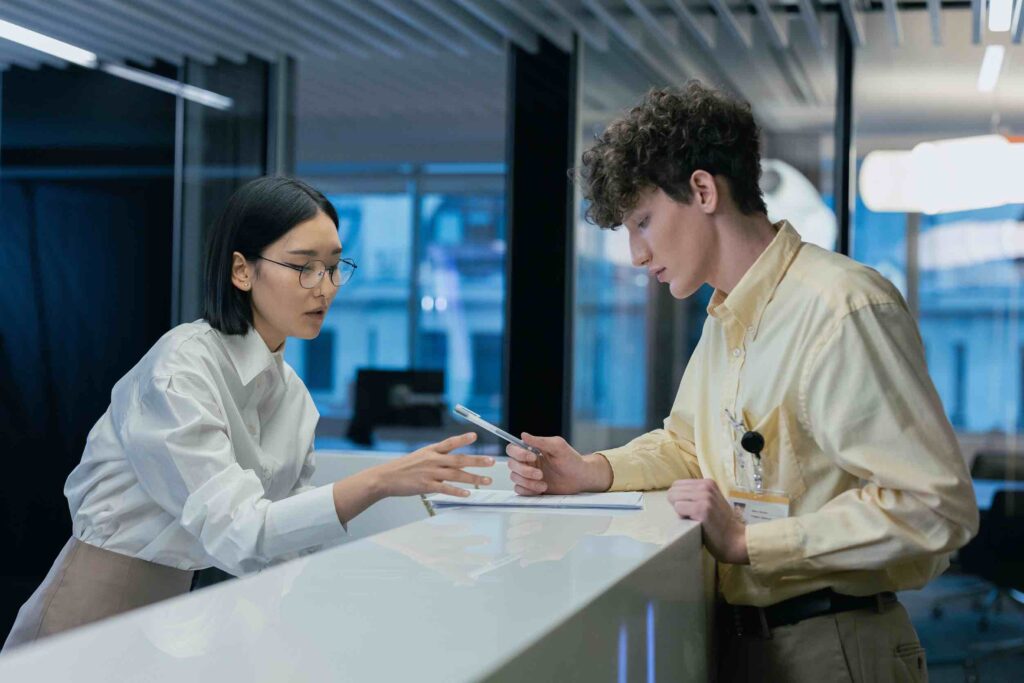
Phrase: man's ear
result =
(241, 272)
(704, 191)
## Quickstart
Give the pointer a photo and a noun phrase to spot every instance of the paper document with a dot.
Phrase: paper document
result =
(626, 500)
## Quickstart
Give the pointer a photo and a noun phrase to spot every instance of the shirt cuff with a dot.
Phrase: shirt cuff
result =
(302, 521)
(773, 547)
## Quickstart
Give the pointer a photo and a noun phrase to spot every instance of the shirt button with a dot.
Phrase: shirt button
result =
(736, 353)
(750, 330)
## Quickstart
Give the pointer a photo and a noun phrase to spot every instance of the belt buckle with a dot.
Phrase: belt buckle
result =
(884, 600)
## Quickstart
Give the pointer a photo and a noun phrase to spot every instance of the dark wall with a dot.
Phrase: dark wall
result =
(86, 191)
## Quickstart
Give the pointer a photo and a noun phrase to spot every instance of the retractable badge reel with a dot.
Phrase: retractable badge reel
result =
(749, 499)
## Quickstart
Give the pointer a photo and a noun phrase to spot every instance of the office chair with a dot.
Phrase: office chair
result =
(999, 559)
(990, 466)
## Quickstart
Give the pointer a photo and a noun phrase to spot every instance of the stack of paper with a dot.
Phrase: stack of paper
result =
(627, 500)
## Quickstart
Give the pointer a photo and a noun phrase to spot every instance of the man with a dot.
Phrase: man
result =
(806, 436)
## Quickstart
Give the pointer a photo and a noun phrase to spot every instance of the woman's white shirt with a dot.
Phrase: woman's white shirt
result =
(204, 458)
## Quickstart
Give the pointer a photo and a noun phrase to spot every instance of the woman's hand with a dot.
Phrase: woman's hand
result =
(422, 471)
(427, 470)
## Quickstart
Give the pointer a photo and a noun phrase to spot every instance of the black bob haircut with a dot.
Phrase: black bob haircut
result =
(256, 215)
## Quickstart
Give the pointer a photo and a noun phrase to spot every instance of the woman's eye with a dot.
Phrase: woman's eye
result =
(644, 222)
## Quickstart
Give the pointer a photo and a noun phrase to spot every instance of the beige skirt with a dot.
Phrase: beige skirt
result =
(86, 584)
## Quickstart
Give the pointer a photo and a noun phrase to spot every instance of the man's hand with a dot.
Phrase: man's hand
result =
(725, 535)
(561, 469)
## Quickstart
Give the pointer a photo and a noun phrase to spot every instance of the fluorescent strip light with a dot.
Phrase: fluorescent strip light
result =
(51, 46)
(999, 14)
(76, 55)
(990, 66)
(168, 85)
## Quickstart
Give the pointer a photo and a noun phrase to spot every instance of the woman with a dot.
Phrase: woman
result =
(205, 454)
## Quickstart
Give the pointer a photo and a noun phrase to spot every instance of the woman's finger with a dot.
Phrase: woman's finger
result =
(449, 474)
(440, 487)
(453, 442)
(461, 461)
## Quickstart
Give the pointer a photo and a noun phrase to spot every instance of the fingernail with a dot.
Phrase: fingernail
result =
(487, 480)
(463, 492)
(490, 461)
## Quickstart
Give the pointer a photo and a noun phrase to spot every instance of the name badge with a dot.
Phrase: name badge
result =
(755, 507)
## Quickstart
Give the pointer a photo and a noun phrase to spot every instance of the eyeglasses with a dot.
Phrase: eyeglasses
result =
(311, 274)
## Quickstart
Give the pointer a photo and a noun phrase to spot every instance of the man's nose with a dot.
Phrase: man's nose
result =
(638, 251)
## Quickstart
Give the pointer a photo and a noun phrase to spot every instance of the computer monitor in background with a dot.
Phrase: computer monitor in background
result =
(406, 398)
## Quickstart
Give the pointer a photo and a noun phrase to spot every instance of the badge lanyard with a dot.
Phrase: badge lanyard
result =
(751, 444)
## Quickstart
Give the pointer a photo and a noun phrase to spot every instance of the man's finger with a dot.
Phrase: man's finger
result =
(525, 491)
(529, 484)
(546, 444)
(525, 470)
(687, 494)
(521, 454)
(453, 442)
(687, 510)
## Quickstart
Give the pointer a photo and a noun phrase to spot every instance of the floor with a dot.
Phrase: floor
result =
(952, 638)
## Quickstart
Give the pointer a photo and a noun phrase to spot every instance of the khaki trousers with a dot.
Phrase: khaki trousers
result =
(859, 646)
(86, 584)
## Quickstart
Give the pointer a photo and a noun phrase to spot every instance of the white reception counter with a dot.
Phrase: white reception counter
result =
(465, 595)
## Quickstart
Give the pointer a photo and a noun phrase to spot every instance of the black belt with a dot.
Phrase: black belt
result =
(758, 622)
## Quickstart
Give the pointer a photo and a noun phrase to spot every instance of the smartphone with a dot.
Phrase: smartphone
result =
(467, 414)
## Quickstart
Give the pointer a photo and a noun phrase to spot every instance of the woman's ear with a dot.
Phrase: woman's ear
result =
(241, 272)
(704, 191)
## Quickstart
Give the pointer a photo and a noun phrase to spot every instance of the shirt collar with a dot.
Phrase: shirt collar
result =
(747, 301)
(250, 354)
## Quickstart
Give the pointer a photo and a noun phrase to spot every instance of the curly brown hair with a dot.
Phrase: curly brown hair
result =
(662, 141)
